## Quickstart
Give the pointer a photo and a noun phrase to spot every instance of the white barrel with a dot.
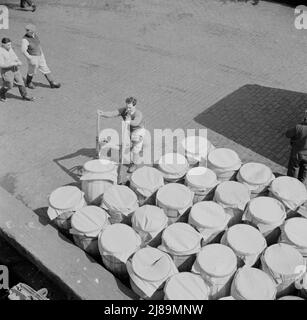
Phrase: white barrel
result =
(290, 298)
(86, 224)
(63, 203)
(224, 162)
(252, 284)
(149, 221)
(233, 197)
(247, 243)
(256, 176)
(216, 264)
(294, 233)
(210, 219)
(173, 166)
(267, 214)
(174, 199)
(227, 298)
(116, 244)
(145, 182)
(291, 192)
(98, 175)
(120, 202)
(186, 286)
(201, 181)
(284, 264)
(182, 242)
(149, 269)
(196, 149)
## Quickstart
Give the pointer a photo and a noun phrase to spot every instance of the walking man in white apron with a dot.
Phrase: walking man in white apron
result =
(134, 118)
(10, 73)
(33, 52)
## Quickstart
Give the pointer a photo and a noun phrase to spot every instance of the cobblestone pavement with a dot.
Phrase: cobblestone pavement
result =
(238, 69)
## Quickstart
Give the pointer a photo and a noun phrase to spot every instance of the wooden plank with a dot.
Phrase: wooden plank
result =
(75, 272)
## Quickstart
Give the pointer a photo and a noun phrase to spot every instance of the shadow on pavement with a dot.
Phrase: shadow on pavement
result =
(42, 215)
(257, 117)
(290, 3)
(41, 85)
(16, 6)
(76, 171)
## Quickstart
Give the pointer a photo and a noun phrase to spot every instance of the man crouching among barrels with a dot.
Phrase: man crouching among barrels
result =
(134, 119)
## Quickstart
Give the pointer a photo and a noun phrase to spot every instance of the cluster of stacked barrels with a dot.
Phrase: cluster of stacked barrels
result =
(199, 226)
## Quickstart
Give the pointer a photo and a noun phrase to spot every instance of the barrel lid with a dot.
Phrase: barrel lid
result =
(201, 177)
(208, 214)
(148, 178)
(296, 231)
(289, 188)
(196, 145)
(186, 286)
(254, 284)
(224, 158)
(267, 209)
(283, 259)
(99, 165)
(149, 218)
(290, 298)
(174, 195)
(245, 239)
(181, 237)
(232, 193)
(119, 196)
(89, 219)
(173, 163)
(217, 260)
(118, 237)
(151, 264)
(255, 173)
(65, 197)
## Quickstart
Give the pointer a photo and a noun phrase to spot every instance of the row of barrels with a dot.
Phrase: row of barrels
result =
(200, 235)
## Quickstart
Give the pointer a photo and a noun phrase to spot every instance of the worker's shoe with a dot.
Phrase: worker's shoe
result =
(29, 83)
(132, 168)
(53, 84)
(24, 95)
(3, 92)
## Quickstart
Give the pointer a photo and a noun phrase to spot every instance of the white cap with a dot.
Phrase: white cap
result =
(175, 195)
(217, 260)
(201, 177)
(224, 158)
(253, 284)
(89, 220)
(186, 286)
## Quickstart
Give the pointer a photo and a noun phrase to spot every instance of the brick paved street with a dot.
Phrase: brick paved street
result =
(238, 69)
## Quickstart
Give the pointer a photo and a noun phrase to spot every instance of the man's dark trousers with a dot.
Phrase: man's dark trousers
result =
(297, 166)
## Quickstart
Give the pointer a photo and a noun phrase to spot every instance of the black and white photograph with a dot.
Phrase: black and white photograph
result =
(153, 154)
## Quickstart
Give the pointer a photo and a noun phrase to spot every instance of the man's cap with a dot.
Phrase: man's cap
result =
(6, 40)
(30, 27)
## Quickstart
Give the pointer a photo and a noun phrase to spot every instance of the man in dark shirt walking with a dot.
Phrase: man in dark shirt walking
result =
(33, 52)
(297, 166)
